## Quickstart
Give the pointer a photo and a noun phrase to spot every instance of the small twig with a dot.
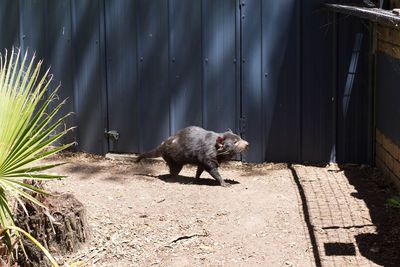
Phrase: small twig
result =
(145, 174)
(188, 236)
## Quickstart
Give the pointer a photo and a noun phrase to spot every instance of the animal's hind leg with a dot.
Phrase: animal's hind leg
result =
(174, 168)
(199, 171)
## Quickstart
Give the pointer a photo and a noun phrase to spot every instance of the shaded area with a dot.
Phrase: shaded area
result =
(332, 249)
(191, 180)
(112, 171)
(381, 247)
(387, 107)
(317, 114)
(354, 92)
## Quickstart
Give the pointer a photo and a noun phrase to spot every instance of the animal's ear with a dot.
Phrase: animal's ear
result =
(229, 130)
(219, 144)
(220, 140)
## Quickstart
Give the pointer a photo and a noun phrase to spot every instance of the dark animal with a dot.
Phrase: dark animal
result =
(194, 145)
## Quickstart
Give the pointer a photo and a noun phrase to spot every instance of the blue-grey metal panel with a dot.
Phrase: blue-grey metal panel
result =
(122, 84)
(188, 75)
(9, 24)
(33, 37)
(59, 56)
(281, 80)
(185, 63)
(153, 72)
(387, 96)
(220, 65)
(318, 136)
(354, 102)
(252, 78)
(88, 85)
(32, 27)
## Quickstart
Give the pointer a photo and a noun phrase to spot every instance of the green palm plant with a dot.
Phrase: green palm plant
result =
(394, 202)
(27, 131)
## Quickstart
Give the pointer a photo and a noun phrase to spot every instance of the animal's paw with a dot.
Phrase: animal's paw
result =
(224, 184)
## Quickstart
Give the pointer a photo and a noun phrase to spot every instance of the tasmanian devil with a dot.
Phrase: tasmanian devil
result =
(194, 145)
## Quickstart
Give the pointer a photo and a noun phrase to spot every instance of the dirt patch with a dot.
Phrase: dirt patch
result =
(271, 215)
(140, 216)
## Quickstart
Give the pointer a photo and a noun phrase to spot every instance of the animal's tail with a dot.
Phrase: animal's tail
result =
(149, 154)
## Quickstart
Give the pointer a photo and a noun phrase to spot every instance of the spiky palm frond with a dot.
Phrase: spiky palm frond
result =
(27, 129)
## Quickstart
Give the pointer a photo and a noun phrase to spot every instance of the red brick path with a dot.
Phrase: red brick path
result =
(336, 215)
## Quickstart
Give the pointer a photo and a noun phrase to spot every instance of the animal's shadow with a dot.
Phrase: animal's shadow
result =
(168, 178)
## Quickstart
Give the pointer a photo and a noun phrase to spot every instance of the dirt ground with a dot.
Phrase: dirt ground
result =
(271, 215)
(139, 216)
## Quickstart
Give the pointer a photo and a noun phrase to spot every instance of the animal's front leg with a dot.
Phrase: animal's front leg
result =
(215, 174)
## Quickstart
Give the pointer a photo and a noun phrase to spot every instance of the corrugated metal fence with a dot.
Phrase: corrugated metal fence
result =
(147, 68)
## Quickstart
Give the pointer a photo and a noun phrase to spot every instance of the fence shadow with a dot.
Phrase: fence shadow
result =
(306, 213)
(381, 247)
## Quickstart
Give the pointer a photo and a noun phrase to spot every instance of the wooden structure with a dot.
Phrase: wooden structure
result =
(384, 28)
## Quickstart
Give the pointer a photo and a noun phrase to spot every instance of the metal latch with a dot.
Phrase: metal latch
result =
(113, 135)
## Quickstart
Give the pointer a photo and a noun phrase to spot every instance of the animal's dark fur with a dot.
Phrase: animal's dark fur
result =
(194, 145)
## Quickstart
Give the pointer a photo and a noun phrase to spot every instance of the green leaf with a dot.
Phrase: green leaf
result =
(36, 168)
(28, 130)
(394, 202)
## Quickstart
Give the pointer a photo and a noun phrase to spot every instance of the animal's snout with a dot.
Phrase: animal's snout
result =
(243, 145)
(246, 144)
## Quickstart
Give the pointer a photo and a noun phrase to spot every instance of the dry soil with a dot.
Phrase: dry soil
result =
(140, 216)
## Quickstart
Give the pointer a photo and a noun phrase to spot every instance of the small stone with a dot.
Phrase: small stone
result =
(374, 250)
(206, 248)
(288, 263)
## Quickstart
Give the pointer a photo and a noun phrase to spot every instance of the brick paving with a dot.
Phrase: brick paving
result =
(336, 216)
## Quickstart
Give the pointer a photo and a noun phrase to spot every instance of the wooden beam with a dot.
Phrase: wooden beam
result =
(388, 34)
(389, 49)
(372, 14)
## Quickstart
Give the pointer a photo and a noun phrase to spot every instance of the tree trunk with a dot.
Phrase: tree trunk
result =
(60, 229)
